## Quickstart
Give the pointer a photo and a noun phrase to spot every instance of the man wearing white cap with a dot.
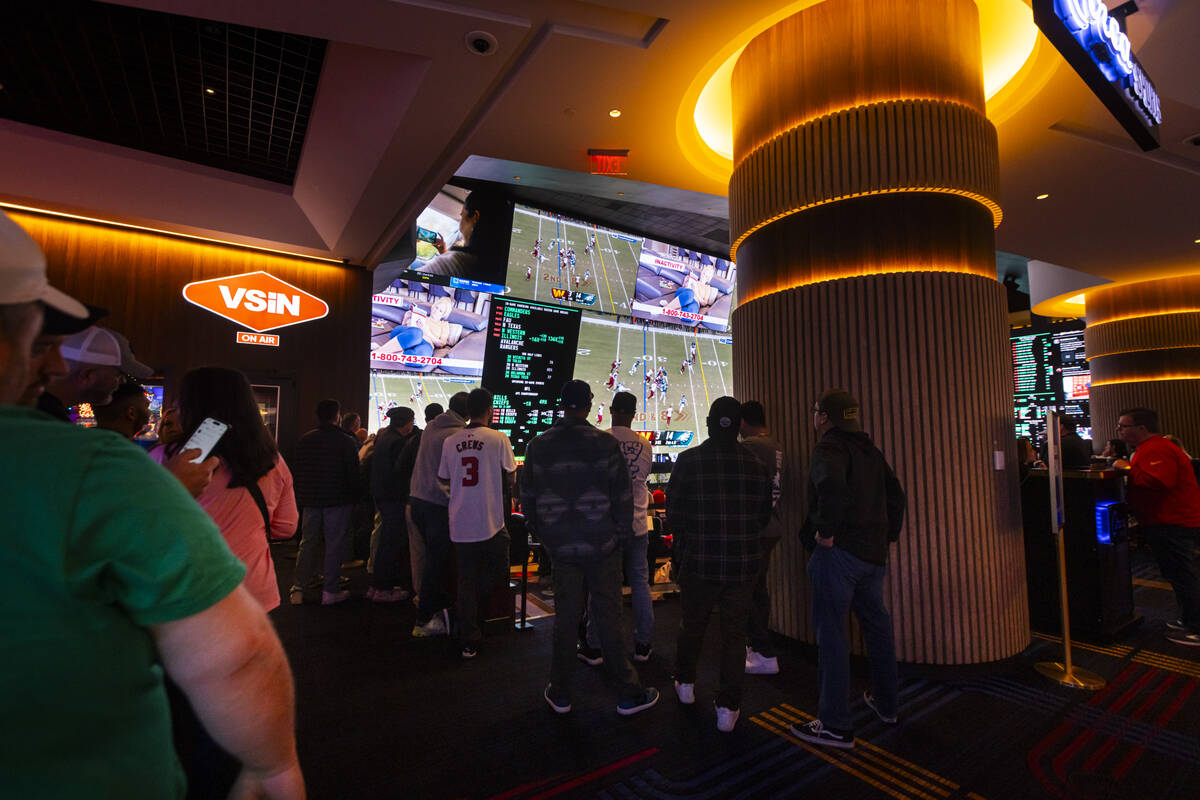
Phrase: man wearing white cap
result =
(98, 359)
(108, 563)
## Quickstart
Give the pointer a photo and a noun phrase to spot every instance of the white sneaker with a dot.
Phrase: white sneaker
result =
(727, 718)
(686, 692)
(758, 664)
(296, 597)
(435, 627)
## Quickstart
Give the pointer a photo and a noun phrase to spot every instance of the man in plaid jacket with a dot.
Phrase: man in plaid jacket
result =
(718, 502)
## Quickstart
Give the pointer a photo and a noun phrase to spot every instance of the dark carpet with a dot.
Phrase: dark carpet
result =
(383, 715)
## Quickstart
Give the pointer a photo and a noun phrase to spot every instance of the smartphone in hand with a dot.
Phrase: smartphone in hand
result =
(205, 438)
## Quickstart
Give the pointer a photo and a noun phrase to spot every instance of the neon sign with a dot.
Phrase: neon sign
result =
(1091, 40)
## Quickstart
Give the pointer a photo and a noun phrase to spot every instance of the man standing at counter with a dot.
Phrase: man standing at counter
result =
(1163, 494)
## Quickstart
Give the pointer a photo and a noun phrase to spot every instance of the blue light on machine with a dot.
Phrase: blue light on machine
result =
(1101, 36)
(1106, 517)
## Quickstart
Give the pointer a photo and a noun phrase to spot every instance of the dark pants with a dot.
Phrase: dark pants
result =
(760, 606)
(481, 565)
(433, 521)
(318, 526)
(391, 557)
(697, 598)
(1174, 549)
(841, 582)
(572, 582)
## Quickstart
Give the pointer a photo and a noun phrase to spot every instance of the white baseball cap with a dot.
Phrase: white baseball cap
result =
(106, 348)
(23, 272)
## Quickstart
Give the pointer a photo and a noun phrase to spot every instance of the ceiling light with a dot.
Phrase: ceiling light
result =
(1041, 197)
(616, 112)
(1197, 241)
(1077, 300)
(620, 194)
(516, 177)
(210, 91)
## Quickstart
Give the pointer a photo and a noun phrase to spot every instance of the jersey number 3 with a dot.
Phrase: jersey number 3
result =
(470, 465)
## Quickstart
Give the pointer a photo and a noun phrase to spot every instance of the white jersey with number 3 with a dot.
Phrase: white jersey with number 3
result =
(474, 461)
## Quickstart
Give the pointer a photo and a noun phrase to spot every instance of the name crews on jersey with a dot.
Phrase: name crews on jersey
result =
(477, 465)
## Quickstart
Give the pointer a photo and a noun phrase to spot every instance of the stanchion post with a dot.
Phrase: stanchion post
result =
(1065, 673)
(524, 624)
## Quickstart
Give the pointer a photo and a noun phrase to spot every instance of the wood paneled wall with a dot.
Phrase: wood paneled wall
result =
(139, 277)
(928, 357)
(1143, 346)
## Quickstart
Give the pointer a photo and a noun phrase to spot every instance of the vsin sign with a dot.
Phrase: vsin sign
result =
(1092, 42)
(256, 300)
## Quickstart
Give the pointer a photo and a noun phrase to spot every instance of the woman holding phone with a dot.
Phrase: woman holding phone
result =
(251, 490)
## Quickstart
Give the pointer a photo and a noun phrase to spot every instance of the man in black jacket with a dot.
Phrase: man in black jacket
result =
(325, 473)
(855, 509)
(391, 497)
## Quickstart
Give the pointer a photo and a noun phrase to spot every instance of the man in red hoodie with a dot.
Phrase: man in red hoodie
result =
(1164, 496)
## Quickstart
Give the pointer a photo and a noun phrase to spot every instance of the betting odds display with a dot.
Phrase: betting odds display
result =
(529, 356)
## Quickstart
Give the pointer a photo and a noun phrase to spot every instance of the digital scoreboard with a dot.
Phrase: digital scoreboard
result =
(529, 355)
(1050, 371)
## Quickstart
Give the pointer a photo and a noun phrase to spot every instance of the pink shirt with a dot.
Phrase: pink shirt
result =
(241, 523)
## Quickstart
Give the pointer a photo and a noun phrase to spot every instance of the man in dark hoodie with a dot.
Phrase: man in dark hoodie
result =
(391, 497)
(855, 509)
(578, 501)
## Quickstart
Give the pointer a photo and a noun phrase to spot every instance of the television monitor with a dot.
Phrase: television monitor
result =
(415, 390)
(557, 259)
(684, 287)
(1050, 371)
(674, 372)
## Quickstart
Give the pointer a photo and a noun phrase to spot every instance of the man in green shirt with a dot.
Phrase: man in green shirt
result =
(112, 576)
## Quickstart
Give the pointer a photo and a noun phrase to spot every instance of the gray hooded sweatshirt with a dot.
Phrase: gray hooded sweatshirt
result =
(425, 484)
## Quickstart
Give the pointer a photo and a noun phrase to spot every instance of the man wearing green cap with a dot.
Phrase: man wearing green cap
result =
(855, 509)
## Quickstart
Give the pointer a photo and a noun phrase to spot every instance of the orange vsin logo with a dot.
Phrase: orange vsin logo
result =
(256, 300)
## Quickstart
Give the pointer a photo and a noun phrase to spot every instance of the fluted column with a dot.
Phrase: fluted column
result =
(1143, 347)
(862, 211)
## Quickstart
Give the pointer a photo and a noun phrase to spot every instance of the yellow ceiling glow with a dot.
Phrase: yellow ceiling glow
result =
(1008, 39)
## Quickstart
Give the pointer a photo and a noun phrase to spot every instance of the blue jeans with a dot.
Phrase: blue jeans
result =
(328, 525)
(1174, 549)
(637, 571)
(841, 582)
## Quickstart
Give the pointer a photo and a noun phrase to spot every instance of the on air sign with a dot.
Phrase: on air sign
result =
(256, 300)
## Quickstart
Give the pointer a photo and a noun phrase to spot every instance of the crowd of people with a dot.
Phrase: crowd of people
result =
(159, 576)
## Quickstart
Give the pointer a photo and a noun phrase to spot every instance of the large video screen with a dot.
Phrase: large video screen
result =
(553, 258)
(683, 287)
(430, 318)
(675, 374)
(391, 389)
(1050, 371)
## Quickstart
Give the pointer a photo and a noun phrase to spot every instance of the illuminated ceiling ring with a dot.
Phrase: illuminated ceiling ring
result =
(1144, 333)
(867, 150)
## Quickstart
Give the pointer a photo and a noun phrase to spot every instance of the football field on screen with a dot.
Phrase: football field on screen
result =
(609, 271)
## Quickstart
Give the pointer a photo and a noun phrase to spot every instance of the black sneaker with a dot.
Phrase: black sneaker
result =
(633, 705)
(1177, 625)
(590, 655)
(469, 651)
(1185, 638)
(641, 652)
(560, 706)
(870, 701)
(816, 733)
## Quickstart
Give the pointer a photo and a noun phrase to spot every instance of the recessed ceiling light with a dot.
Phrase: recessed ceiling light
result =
(1041, 197)
(620, 194)
(210, 91)
(616, 112)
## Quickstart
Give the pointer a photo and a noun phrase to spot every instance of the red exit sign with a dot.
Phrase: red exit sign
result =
(608, 162)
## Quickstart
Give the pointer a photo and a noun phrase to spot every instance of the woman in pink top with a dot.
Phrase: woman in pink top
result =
(249, 458)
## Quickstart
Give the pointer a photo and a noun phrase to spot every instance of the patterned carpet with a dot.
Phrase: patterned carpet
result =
(386, 716)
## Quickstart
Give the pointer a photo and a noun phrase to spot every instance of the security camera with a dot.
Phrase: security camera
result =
(481, 43)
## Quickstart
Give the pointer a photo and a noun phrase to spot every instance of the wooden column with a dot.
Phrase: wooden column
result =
(1143, 347)
(862, 210)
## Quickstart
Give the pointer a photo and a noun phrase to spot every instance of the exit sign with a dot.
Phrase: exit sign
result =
(608, 162)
